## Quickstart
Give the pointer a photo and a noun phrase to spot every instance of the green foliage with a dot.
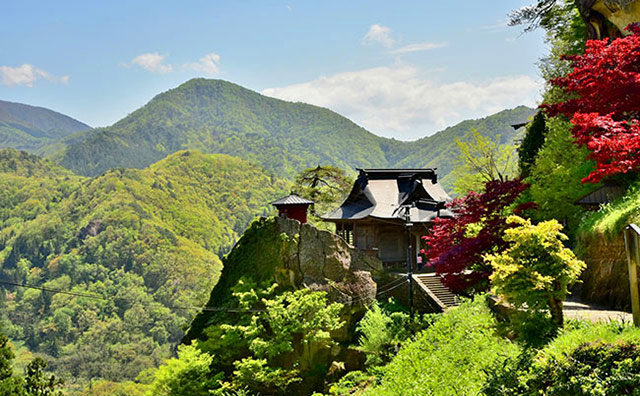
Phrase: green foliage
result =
(278, 342)
(383, 331)
(146, 240)
(110, 388)
(482, 160)
(188, 374)
(35, 382)
(611, 218)
(536, 268)
(448, 358)
(565, 35)
(531, 143)
(327, 186)
(596, 369)
(294, 324)
(555, 177)
(351, 383)
(590, 359)
(531, 329)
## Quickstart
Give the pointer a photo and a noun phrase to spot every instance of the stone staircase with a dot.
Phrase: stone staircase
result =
(436, 291)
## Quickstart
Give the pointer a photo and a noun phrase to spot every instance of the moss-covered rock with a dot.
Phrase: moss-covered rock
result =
(295, 255)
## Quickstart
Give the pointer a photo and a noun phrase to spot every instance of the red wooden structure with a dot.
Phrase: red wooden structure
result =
(293, 207)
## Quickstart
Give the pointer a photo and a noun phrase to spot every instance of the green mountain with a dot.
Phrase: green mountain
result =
(216, 116)
(441, 151)
(30, 128)
(139, 248)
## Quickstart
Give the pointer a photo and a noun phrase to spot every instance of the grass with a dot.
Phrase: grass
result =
(613, 217)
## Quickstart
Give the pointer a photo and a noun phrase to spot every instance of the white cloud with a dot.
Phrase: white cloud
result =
(153, 62)
(27, 75)
(426, 46)
(208, 65)
(378, 34)
(398, 101)
(498, 26)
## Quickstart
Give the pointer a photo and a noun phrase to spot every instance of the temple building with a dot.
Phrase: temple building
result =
(388, 210)
(293, 207)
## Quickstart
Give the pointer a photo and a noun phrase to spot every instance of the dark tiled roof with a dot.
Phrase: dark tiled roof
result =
(292, 199)
(603, 195)
(383, 194)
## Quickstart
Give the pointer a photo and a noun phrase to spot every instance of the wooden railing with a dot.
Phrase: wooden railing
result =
(632, 246)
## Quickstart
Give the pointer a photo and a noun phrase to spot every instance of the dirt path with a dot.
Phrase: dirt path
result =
(578, 310)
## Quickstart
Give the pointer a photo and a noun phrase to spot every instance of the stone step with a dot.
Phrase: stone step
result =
(433, 287)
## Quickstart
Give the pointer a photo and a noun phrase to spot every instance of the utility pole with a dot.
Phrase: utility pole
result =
(408, 225)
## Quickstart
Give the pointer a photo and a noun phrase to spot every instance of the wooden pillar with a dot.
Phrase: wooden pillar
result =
(631, 235)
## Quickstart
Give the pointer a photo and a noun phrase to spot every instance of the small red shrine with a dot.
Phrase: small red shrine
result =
(293, 207)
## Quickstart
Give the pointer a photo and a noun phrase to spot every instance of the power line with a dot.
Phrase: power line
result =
(350, 298)
(98, 297)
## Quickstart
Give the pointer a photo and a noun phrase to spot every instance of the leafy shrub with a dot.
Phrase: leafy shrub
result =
(351, 383)
(448, 358)
(585, 359)
(536, 269)
(384, 328)
(189, 374)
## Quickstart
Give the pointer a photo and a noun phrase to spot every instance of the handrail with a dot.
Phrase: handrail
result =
(634, 227)
(632, 248)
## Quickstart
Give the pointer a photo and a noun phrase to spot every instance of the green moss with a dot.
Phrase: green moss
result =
(256, 257)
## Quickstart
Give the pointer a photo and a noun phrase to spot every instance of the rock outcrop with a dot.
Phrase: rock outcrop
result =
(295, 256)
(620, 13)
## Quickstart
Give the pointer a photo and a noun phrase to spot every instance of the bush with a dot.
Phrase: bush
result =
(588, 359)
(384, 328)
(351, 383)
(450, 357)
(536, 269)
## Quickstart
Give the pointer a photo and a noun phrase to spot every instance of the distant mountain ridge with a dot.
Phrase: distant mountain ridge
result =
(28, 127)
(217, 116)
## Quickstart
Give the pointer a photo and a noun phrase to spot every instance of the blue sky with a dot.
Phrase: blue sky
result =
(401, 69)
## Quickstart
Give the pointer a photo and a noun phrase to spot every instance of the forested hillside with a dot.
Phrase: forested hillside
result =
(440, 150)
(220, 117)
(136, 245)
(29, 128)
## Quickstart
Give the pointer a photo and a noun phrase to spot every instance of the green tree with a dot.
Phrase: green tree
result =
(556, 176)
(297, 323)
(325, 185)
(532, 143)
(536, 269)
(35, 382)
(482, 160)
(9, 385)
(188, 374)
(38, 383)
(280, 344)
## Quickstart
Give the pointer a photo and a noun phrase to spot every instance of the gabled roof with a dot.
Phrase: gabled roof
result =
(605, 194)
(292, 199)
(384, 194)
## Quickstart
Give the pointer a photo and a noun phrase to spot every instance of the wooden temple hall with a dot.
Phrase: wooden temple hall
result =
(383, 205)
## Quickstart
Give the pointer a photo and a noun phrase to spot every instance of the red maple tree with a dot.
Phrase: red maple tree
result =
(456, 246)
(605, 107)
